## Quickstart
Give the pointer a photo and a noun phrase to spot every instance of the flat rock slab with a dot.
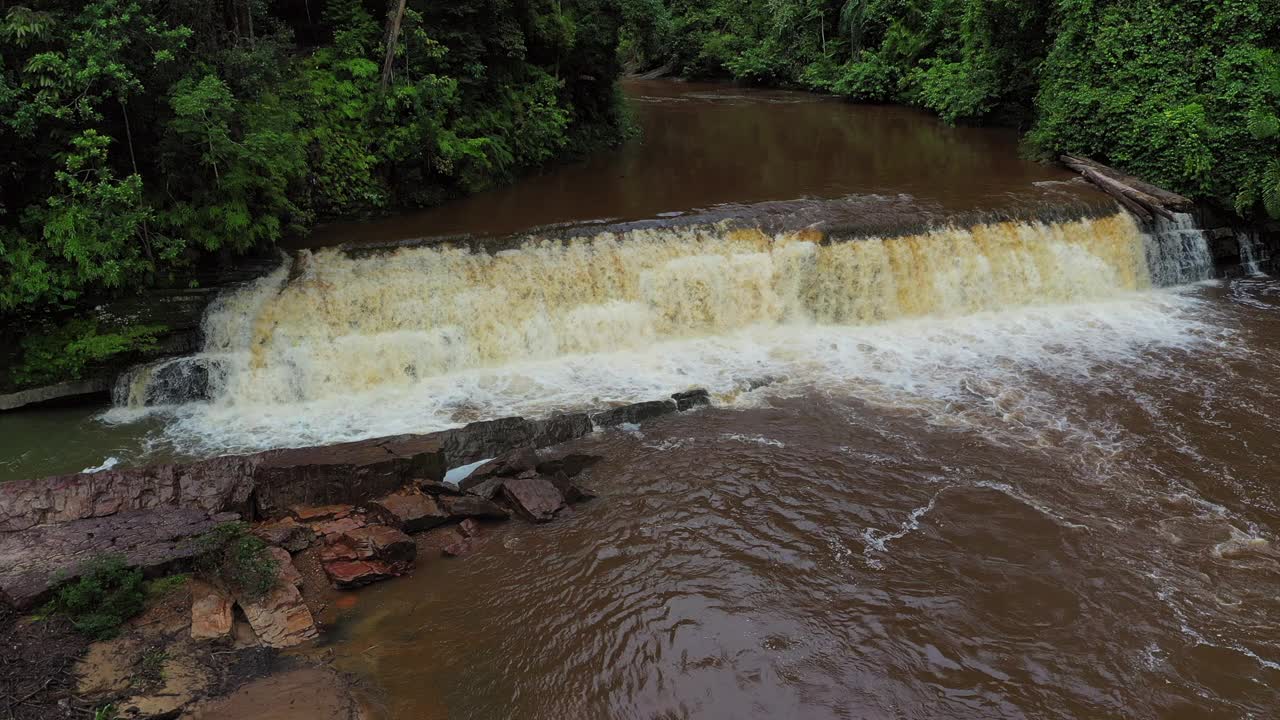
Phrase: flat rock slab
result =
(280, 619)
(286, 533)
(34, 561)
(349, 574)
(471, 506)
(534, 498)
(212, 613)
(634, 414)
(411, 510)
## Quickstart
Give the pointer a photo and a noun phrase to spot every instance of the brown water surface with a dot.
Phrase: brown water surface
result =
(706, 145)
(1097, 544)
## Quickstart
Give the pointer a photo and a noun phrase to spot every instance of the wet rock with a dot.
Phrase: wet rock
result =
(411, 511)
(349, 574)
(218, 485)
(560, 429)
(492, 438)
(469, 528)
(570, 465)
(459, 548)
(756, 383)
(488, 490)
(690, 399)
(470, 506)
(347, 473)
(571, 490)
(435, 487)
(535, 498)
(633, 414)
(169, 382)
(375, 542)
(286, 572)
(509, 464)
(331, 520)
(212, 616)
(280, 618)
(33, 561)
(286, 533)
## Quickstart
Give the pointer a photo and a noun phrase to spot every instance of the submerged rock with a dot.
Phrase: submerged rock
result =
(690, 399)
(635, 413)
(535, 498)
(571, 465)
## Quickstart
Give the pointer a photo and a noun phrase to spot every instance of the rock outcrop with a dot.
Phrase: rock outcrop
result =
(34, 561)
(212, 613)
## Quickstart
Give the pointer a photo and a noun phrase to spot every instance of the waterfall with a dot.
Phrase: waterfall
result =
(339, 325)
(1178, 252)
(1253, 254)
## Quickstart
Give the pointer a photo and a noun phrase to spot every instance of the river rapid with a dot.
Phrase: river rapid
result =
(1023, 467)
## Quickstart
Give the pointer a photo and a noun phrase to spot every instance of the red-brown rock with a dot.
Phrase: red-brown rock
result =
(348, 574)
(285, 569)
(211, 613)
(286, 533)
(411, 511)
(459, 548)
(470, 506)
(509, 464)
(469, 528)
(535, 498)
(280, 619)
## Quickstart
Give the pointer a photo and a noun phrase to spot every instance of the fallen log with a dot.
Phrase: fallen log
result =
(1169, 199)
(1140, 203)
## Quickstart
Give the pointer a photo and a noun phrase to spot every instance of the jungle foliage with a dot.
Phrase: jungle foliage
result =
(1185, 93)
(141, 137)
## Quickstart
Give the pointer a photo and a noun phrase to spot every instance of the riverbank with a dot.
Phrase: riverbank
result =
(403, 508)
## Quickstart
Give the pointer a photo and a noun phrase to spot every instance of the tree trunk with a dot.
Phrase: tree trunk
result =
(394, 15)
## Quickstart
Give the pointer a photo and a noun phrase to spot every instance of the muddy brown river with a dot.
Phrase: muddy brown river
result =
(1014, 468)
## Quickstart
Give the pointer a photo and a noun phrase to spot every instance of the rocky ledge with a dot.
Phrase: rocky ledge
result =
(355, 500)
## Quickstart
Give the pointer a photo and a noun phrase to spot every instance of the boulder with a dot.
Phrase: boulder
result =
(509, 464)
(635, 413)
(212, 614)
(487, 490)
(435, 487)
(691, 399)
(471, 506)
(348, 574)
(535, 498)
(286, 533)
(374, 542)
(571, 490)
(411, 510)
(286, 572)
(34, 561)
(280, 618)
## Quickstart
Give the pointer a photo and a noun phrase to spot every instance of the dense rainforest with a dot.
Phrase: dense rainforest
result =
(1185, 93)
(143, 137)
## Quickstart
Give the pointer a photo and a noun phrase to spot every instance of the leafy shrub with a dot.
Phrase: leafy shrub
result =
(232, 557)
(65, 352)
(107, 594)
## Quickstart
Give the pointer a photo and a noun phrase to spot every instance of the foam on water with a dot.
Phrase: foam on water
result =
(947, 323)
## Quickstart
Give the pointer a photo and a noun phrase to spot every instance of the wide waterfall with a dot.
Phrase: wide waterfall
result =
(436, 335)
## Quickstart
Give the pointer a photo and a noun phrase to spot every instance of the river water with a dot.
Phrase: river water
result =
(1015, 469)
